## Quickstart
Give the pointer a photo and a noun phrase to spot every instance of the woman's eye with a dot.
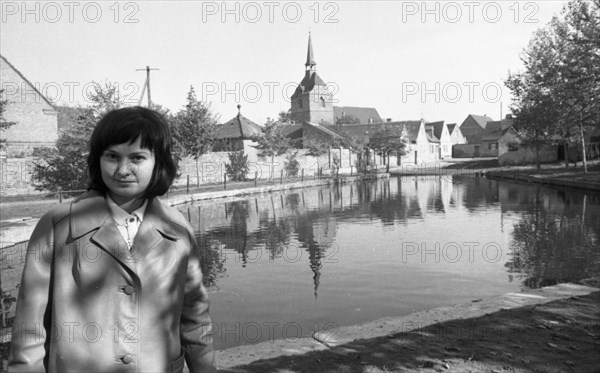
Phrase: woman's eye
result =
(138, 158)
(110, 156)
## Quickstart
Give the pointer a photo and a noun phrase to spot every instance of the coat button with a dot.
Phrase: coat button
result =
(127, 359)
(128, 289)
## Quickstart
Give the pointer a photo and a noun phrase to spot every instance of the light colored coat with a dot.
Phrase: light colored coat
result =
(89, 304)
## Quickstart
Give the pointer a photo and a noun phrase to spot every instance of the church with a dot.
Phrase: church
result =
(313, 99)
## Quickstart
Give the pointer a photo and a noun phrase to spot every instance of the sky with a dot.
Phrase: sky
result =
(437, 60)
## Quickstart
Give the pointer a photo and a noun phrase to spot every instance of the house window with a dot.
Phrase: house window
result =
(493, 146)
(322, 101)
(513, 146)
(300, 102)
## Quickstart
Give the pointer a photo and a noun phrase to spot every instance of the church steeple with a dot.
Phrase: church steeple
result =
(312, 100)
(310, 57)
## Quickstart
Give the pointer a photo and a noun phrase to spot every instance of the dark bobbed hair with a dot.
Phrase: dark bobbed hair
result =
(126, 125)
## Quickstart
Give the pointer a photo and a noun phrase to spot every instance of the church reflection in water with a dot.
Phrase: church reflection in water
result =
(553, 235)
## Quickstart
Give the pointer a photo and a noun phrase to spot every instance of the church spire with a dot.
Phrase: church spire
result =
(310, 58)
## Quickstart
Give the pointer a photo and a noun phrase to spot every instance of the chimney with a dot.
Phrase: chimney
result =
(389, 120)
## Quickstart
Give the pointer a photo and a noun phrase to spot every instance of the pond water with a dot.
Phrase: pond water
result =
(285, 264)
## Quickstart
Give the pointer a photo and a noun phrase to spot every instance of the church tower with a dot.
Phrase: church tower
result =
(312, 101)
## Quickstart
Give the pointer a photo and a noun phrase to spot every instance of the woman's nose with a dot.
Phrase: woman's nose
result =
(125, 168)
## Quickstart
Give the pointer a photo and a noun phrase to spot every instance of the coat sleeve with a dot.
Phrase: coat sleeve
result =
(31, 325)
(196, 326)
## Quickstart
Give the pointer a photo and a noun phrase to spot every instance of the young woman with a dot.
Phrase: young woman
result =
(112, 280)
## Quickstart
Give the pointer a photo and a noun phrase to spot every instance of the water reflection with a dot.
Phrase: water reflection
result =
(356, 252)
(554, 238)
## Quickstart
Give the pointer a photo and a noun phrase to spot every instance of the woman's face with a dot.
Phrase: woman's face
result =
(127, 170)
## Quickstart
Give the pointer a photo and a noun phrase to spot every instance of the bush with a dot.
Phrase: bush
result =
(291, 164)
(237, 169)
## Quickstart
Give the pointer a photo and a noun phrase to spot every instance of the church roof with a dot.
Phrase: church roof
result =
(363, 114)
(311, 79)
(238, 127)
(310, 57)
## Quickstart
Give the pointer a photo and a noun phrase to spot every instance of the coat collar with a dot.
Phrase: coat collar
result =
(91, 212)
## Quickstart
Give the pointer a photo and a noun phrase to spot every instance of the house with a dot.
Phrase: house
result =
(34, 115)
(510, 151)
(236, 134)
(364, 115)
(439, 130)
(456, 135)
(421, 146)
(489, 139)
(472, 129)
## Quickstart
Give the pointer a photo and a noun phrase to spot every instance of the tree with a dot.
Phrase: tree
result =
(238, 167)
(285, 117)
(272, 142)
(578, 88)
(533, 103)
(65, 166)
(4, 124)
(389, 140)
(558, 94)
(194, 129)
(106, 97)
(316, 148)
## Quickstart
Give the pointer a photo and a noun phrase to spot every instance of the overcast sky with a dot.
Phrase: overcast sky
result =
(409, 60)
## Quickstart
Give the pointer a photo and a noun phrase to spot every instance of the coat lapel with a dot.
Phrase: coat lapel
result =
(153, 230)
(91, 212)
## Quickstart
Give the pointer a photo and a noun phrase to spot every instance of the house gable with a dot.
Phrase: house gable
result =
(473, 126)
(34, 115)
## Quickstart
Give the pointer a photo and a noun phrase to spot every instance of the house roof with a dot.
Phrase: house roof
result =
(431, 137)
(363, 114)
(293, 131)
(410, 127)
(495, 129)
(451, 127)
(324, 129)
(492, 131)
(238, 127)
(27, 81)
(436, 127)
(482, 120)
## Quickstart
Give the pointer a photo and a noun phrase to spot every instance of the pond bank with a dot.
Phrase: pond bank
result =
(552, 329)
(562, 178)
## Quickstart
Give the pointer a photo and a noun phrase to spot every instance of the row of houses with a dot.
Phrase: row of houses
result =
(312, 117)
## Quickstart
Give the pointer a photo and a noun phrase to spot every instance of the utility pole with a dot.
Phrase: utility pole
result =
(146, 86)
